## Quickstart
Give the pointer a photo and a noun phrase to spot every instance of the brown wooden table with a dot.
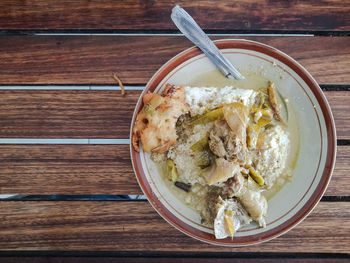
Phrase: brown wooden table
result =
(64, 128)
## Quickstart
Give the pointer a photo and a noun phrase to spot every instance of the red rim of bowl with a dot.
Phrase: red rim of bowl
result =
(330, 157)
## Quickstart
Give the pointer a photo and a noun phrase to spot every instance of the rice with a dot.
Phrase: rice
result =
(183, 156)
(272, 159)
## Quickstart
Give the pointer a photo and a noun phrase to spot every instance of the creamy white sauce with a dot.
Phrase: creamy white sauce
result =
(202, 99)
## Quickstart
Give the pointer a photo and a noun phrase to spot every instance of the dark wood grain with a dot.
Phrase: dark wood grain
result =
(147, 15)
(97, 169)
(93, 59)
(97, 114)
(69, 114)
(67, 169)
(340, 105)
(135, 226)
(341, 174)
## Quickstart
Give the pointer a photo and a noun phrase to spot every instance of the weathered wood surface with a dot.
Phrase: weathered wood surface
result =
(97, 114)
(67, 169)
(66, 113)
(155, 15)
(93, 59)
(97, 169)
(340, 105)
(135, 226)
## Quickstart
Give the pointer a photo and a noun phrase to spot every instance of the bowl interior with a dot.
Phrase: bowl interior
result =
(316, 136)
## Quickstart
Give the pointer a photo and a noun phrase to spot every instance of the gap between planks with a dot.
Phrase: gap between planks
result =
(70, 87)
(62, 141)
(168, 257)
(324, 87)
(84, 141)
(100, 197)
(174, 34)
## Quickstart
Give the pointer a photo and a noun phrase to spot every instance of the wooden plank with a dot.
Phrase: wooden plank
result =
(64, 169)
(93, 59)
(146, 15)
(340, 105)
(341, 174)
(97, 114)
(101, 169)
(79, 225)
(66, 113)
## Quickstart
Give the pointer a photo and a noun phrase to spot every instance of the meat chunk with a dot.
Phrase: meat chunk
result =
(233, 186)
(221, 171)
(224, 143)
(216, 143)
(255, 204)
(251, 199)
(236, 115)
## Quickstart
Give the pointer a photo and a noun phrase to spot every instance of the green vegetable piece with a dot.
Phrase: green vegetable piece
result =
(172, 171)
(262, 122)
(256, 177)
(204, 160)
(200, 145)
(148, 109)
(208, 117)
(265, 106)
(275, 97)
(252, 135)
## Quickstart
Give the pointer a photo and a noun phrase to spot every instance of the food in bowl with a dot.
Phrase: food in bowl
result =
(223, 151)
(311, 155)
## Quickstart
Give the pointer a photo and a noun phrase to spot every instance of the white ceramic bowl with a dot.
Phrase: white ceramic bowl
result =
(317, 141)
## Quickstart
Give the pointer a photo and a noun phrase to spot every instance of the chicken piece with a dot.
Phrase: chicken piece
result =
(255, 204)
(224, 142)
(221, 171)
(271, 90)
(235, 147)
(233, 186)
(236, 115)
(216, 145)
(249, 194)
(155, 125)
(230, 216)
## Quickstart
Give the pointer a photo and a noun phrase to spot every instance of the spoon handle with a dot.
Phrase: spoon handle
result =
(193, 32)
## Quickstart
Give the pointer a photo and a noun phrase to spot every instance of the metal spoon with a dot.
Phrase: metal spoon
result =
(193, 32)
